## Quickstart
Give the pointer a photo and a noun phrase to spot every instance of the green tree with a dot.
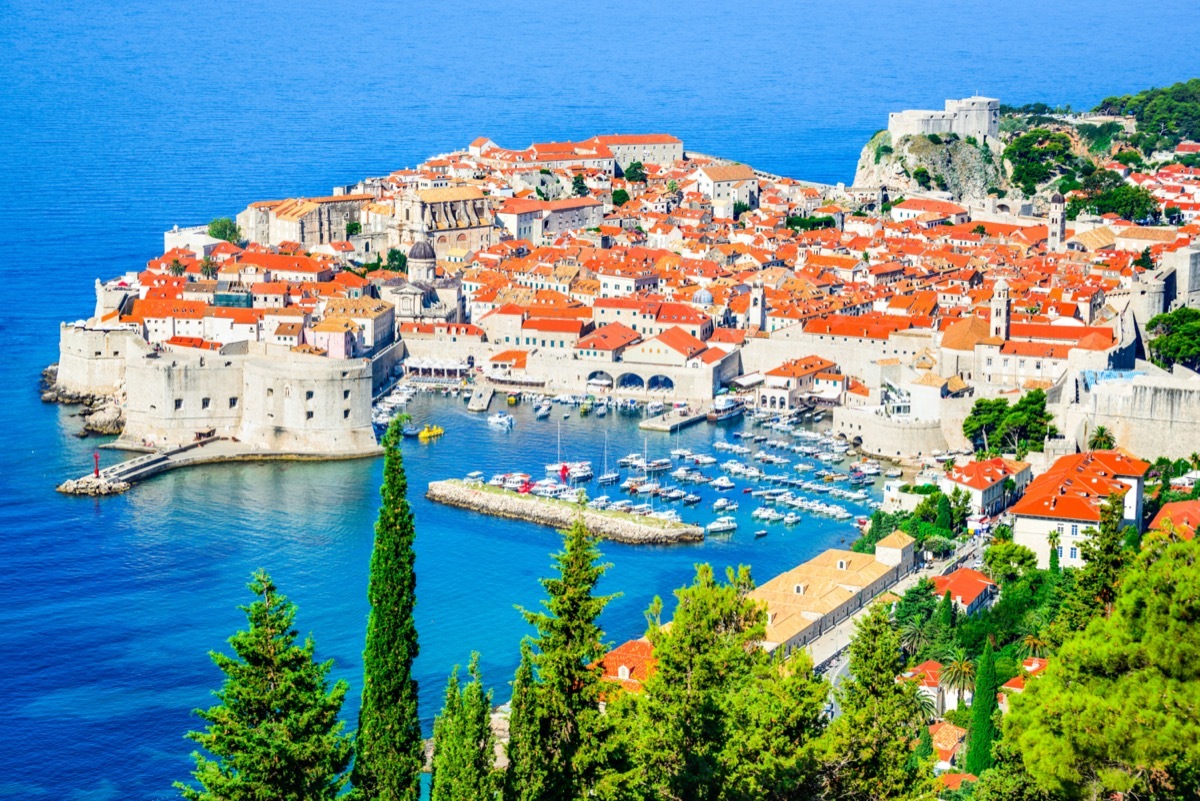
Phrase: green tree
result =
(464, 747)
(579, 186)
(1006, 562)
(635, 173)
(619, 198)
(353, 229)
(672, 186)
(275, 732)
(390, 751)
(1175, 338)
(958, 674)
(984, 421)
(866, 751)
(1007, 780)
(944, 519)
(396, 260)
(208, 268)
(176, 268)
(1035, 155)
(982, 733)
(1101, 439)
(225, 228)
(568, 648)
(719, 718)
(922, 177)
(525, 777)
(980, 229)
(914, 636)
(1027, 423)
(1115, 711)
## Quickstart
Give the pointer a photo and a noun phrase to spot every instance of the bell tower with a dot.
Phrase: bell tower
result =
(1057, 227)
(1000, 310)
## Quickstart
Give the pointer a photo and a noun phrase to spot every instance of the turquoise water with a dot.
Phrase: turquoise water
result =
(118, 121)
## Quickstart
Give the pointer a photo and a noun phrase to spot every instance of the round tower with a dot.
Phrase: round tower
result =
(422, 261)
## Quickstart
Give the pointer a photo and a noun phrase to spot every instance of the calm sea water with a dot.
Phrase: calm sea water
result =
(120, 120)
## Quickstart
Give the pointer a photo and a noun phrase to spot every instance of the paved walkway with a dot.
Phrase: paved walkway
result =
(826, 649)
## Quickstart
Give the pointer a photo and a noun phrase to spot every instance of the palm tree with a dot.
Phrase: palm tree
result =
(1053, 539)
(958, 673)
(1033, 644)
(1195, 460)
(913, 636)
(176, 268)
(1101, 439)
(208, 268)
(928, 706)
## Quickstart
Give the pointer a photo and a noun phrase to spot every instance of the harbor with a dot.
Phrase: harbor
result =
(673, 420)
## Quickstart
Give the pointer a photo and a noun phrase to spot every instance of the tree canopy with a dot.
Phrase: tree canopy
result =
(225, 228)
(1164, 116)
(275, 732)
(1175, 338)
(1023, 425)
(1116, 711)
(635, 173)
(1034, 157)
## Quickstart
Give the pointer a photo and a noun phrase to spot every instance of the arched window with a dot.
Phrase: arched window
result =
(623, 673)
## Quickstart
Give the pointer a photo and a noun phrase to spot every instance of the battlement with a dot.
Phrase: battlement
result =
(971, 116)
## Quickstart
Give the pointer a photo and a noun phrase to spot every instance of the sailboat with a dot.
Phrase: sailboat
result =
(608, 476)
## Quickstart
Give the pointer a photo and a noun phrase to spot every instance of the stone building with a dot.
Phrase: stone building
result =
(456, 220)
(972, 116)
(309, 221)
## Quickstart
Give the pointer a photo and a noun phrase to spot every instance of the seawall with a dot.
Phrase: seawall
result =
(618, 527)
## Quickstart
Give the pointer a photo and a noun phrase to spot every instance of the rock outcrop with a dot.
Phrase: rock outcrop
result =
(957, 166)
(90, 485)
(101, 414)
(559, 514)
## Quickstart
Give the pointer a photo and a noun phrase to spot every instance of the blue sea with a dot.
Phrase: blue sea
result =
(119, 120)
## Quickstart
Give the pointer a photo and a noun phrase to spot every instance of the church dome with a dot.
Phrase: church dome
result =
(703, 297)
(422, 251)
(1057, 198)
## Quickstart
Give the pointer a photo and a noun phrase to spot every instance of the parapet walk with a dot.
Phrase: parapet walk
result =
(627, 529)
(214, 450)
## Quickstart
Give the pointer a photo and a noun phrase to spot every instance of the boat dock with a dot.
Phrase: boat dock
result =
(616, 526)
(481, 399)
(673, 420)
(119, 477)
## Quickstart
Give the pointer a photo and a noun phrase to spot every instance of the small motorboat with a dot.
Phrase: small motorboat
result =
(762, 532)
(501, 420)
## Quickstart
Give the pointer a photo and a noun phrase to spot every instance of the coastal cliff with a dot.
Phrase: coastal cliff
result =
(916, 164)
(560, 514)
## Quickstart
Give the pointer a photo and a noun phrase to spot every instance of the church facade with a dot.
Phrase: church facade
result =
(456, 220)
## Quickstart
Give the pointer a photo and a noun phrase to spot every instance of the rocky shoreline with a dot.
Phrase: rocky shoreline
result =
(101, 414)
(514, 506)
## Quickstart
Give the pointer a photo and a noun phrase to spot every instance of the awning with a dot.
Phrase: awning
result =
(749, 380)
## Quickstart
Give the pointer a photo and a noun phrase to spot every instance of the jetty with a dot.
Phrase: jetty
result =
(673, 420)
(120, 477)
(481, 399)
(616, 526)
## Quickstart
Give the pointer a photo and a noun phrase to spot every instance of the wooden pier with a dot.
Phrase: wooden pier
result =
(673, 420)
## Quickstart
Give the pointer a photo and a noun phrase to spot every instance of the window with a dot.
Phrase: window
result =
(270, 392)
(1074, 553)
(233, 403)
(308, 415)
(1060, 551)
(345, 414)
(204, 402)
(178, 404)
(308, 395)
(1074, 530)
(345, 394)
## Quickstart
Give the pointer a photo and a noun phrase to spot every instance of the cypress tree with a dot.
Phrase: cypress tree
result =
(524, 780)
(390, 752)
(568, 648)
(945, 517)
(945, 612)
(275, 733)
(983, 706)
(464, 747)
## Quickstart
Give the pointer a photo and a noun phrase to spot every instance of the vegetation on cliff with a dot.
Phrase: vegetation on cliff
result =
(1164, 116)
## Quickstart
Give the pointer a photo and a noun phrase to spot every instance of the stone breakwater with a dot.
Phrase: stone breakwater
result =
(90, 485)
(618, 527)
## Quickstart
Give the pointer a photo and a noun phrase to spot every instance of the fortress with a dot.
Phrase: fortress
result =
(972, 116)
(274, 404)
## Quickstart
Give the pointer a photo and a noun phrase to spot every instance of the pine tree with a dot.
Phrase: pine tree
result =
(464, 747)
(579, 186)
(390, 751)
(524, 780)
(924, 749)
(568, 647)
(275, 733)
(983, 732)
(945, 516)
(867, 749)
